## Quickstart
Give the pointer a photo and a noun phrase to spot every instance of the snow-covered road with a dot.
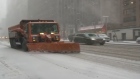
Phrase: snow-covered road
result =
(15, 64)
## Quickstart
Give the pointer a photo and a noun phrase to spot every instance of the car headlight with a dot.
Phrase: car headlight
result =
(104, 39)
(93, 39)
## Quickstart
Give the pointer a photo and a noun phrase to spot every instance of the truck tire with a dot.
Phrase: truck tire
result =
(24, 46)
(13, 43)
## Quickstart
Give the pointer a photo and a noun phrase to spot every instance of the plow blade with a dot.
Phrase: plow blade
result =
(59, 47)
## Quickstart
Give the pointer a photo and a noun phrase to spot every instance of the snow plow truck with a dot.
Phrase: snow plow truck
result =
(39, 35)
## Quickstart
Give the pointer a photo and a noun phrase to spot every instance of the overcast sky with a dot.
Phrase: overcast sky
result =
(3, 8)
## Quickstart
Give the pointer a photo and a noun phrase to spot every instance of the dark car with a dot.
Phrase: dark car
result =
(88, 38)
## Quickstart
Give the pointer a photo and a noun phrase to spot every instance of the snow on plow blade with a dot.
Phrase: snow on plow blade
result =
(59, 47)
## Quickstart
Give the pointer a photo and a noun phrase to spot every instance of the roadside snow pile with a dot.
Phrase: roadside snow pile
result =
(129, 41)
(123, 42)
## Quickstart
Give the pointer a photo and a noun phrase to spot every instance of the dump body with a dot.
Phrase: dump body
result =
(39, 35)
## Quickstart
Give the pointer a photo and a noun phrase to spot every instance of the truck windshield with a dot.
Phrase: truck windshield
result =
(41, 28)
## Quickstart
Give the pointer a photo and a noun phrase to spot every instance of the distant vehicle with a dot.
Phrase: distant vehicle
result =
(70, 37)
(6, 37)
(3, 37)
(107, 39)
(88, 38)
(138, 40)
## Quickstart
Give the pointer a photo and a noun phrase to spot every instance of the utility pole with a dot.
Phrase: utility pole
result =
(77, 19)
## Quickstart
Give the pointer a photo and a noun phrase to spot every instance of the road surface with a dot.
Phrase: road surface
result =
(16, 64)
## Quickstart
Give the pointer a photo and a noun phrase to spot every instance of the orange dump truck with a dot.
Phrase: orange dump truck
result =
(39, 35)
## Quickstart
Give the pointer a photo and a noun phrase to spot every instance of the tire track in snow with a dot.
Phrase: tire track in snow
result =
(9, 72)
(59, 65)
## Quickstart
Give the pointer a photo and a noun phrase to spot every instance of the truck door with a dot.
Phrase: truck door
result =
(26, 31)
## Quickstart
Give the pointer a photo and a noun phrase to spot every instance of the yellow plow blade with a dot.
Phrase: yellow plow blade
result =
(58, 47)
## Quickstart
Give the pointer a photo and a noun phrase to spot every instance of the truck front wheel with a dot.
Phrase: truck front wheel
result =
(13, 43)
(24, 46)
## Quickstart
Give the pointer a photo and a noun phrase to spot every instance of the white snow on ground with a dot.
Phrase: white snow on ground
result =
(15, 64)
(123, 42)
(129, 41)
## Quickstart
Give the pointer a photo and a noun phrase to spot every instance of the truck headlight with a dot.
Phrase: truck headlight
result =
(52, 32)
(57, 37)
(34, 38)
(41, 33)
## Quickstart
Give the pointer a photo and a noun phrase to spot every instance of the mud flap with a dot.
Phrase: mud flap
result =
(58, 47)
